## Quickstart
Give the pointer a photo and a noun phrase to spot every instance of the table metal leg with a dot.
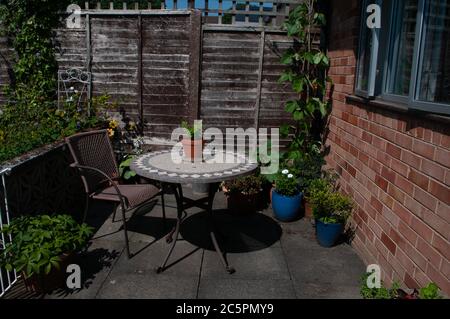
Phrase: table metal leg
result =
(178, 192)
(213, 229)
(173, 235)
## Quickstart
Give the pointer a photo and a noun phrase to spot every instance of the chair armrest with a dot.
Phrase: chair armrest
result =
(122, 198)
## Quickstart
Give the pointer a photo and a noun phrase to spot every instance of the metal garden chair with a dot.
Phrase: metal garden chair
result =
(94, 158)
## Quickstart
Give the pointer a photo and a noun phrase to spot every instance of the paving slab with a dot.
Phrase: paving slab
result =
(185, 260)
(263, 264)
(246, 289)
(148, 286)
(95, 265)
(321, 272)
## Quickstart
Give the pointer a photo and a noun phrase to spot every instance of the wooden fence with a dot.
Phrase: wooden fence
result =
(219, 63)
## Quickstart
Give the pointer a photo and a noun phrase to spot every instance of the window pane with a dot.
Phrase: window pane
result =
(365, 51)
(364, 59)
(402, 49)
(434, 77)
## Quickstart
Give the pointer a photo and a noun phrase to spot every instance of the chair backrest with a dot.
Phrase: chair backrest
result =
(93, 149)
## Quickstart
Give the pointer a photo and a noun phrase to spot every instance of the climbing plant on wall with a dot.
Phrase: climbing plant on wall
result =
(31, 117)
(306, 66)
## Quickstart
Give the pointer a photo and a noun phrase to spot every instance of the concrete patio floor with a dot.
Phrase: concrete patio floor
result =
(272, 260)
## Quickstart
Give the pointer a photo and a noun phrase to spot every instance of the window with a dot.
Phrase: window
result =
(408, 59)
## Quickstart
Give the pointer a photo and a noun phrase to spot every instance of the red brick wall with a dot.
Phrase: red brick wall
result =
(396, 167)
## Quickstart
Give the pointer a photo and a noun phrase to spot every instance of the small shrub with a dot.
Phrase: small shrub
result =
(328, 205)
(430, 292)
(378, 293)
(247, 185)
(286, 184)
(40, 241)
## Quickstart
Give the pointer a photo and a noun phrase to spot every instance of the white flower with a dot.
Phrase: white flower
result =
(285, 171)
(290, 176)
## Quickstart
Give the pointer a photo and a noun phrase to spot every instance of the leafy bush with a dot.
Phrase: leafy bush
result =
(430, 292)
(124, 168)
(247, 185)
(328, 205)
(286, 184)
(40, 241)
(27, 125)
(31, 117)
(378, 293)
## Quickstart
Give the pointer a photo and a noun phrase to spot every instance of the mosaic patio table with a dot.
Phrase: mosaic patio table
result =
(160, 166)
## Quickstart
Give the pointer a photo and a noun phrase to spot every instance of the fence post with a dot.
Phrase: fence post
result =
(89, 59)
(194, 63)
(260, 73)
(140, 79)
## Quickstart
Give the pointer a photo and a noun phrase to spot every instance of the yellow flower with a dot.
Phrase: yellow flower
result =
(110, 132)
(113, 124)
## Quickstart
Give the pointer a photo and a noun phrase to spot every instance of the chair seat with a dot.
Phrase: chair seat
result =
(136, 194)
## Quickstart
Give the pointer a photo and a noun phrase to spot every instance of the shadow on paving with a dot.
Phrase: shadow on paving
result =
(92, 263)
(235, 233)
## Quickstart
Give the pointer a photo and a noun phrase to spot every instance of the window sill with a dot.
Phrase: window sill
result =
(397, 107)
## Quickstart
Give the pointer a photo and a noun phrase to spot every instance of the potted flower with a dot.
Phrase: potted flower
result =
(286, 197)
(243, 194)
(193, 144)
(314, 186)
(42, 247)
(331, 211)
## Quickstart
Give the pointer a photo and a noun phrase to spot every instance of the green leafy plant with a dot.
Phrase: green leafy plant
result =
(308, 169)
(286, 184)
(430, 292)
(247, 185)
(328, 205)
(194, 132)
(307, 65)
(31, 117)
(124, 168)
(378, 293)
(40, 241)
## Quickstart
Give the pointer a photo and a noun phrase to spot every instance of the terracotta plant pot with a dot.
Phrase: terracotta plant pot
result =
(239, 203)
(308, 209)
(44, 283)
(193, 149)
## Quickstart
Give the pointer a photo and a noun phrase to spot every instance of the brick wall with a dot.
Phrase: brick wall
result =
(395, 166)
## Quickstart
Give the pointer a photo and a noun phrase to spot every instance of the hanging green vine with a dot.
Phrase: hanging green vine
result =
(306, 70)
(31, 118)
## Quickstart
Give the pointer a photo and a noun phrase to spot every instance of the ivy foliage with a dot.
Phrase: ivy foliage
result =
(306, 66)
(31, 117)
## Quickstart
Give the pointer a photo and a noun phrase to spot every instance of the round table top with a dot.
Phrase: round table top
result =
(160, 166)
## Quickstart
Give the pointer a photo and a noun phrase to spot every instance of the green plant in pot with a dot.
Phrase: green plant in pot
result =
(42, 247)
(286, 197)
(331, 210)
(192, 144)
(243, 194)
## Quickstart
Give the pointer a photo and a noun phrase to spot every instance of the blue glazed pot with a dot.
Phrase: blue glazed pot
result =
(328, 234)
(286, 208)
